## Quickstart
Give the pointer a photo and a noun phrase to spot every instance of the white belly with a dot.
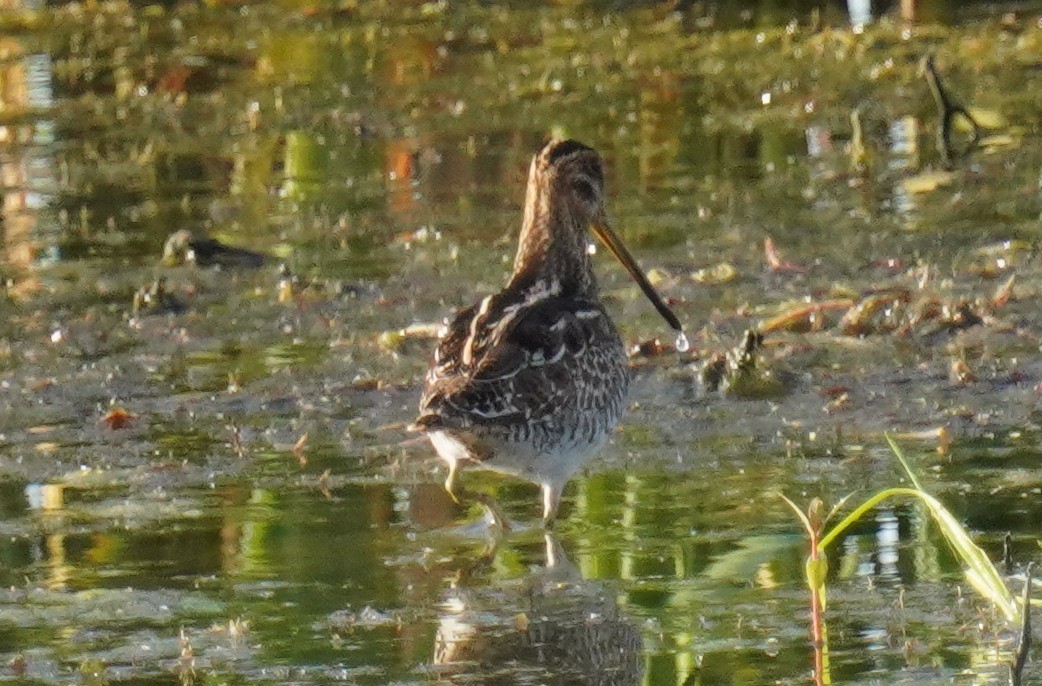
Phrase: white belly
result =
(519, 460)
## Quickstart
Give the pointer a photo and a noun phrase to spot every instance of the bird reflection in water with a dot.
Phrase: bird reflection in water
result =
(552, 628)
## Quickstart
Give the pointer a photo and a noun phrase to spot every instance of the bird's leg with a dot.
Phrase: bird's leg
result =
(450, 481)
(551, 501)
(458, 494)
(554, 551)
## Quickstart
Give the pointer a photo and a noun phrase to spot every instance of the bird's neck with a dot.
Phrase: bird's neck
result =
(552, 247)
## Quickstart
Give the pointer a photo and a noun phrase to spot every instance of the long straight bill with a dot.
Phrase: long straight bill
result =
(611, 239)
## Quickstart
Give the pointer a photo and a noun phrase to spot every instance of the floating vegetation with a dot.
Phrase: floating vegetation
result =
(739, 373)
(185, 247)
(155, 298)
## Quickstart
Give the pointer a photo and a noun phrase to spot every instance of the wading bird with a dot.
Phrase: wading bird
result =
(531, 381)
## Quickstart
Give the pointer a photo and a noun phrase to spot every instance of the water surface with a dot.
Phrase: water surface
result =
(379, 151)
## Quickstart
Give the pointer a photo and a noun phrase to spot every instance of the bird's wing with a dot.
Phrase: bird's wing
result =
(448, 354)
(508, 360)
(542, 335)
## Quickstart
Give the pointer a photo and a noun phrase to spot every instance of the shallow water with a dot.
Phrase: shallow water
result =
(380, 152)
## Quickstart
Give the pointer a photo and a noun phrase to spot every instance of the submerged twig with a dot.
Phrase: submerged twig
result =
(1024, 647)
(948, 110)
(1007, 552)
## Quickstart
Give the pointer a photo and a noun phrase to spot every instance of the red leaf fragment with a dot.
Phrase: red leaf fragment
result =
(118, 418)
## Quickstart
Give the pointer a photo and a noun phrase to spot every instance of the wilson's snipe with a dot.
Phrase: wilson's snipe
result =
(531, 381)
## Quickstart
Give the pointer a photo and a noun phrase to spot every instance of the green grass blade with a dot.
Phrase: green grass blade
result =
(860, 511)
(979, 570)
(799, 513)
(904, 462)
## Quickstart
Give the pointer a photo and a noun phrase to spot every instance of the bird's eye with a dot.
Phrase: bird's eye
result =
(584, 189)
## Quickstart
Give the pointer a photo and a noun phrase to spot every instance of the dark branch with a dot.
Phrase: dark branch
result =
(948, 109)
(1017, 670)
